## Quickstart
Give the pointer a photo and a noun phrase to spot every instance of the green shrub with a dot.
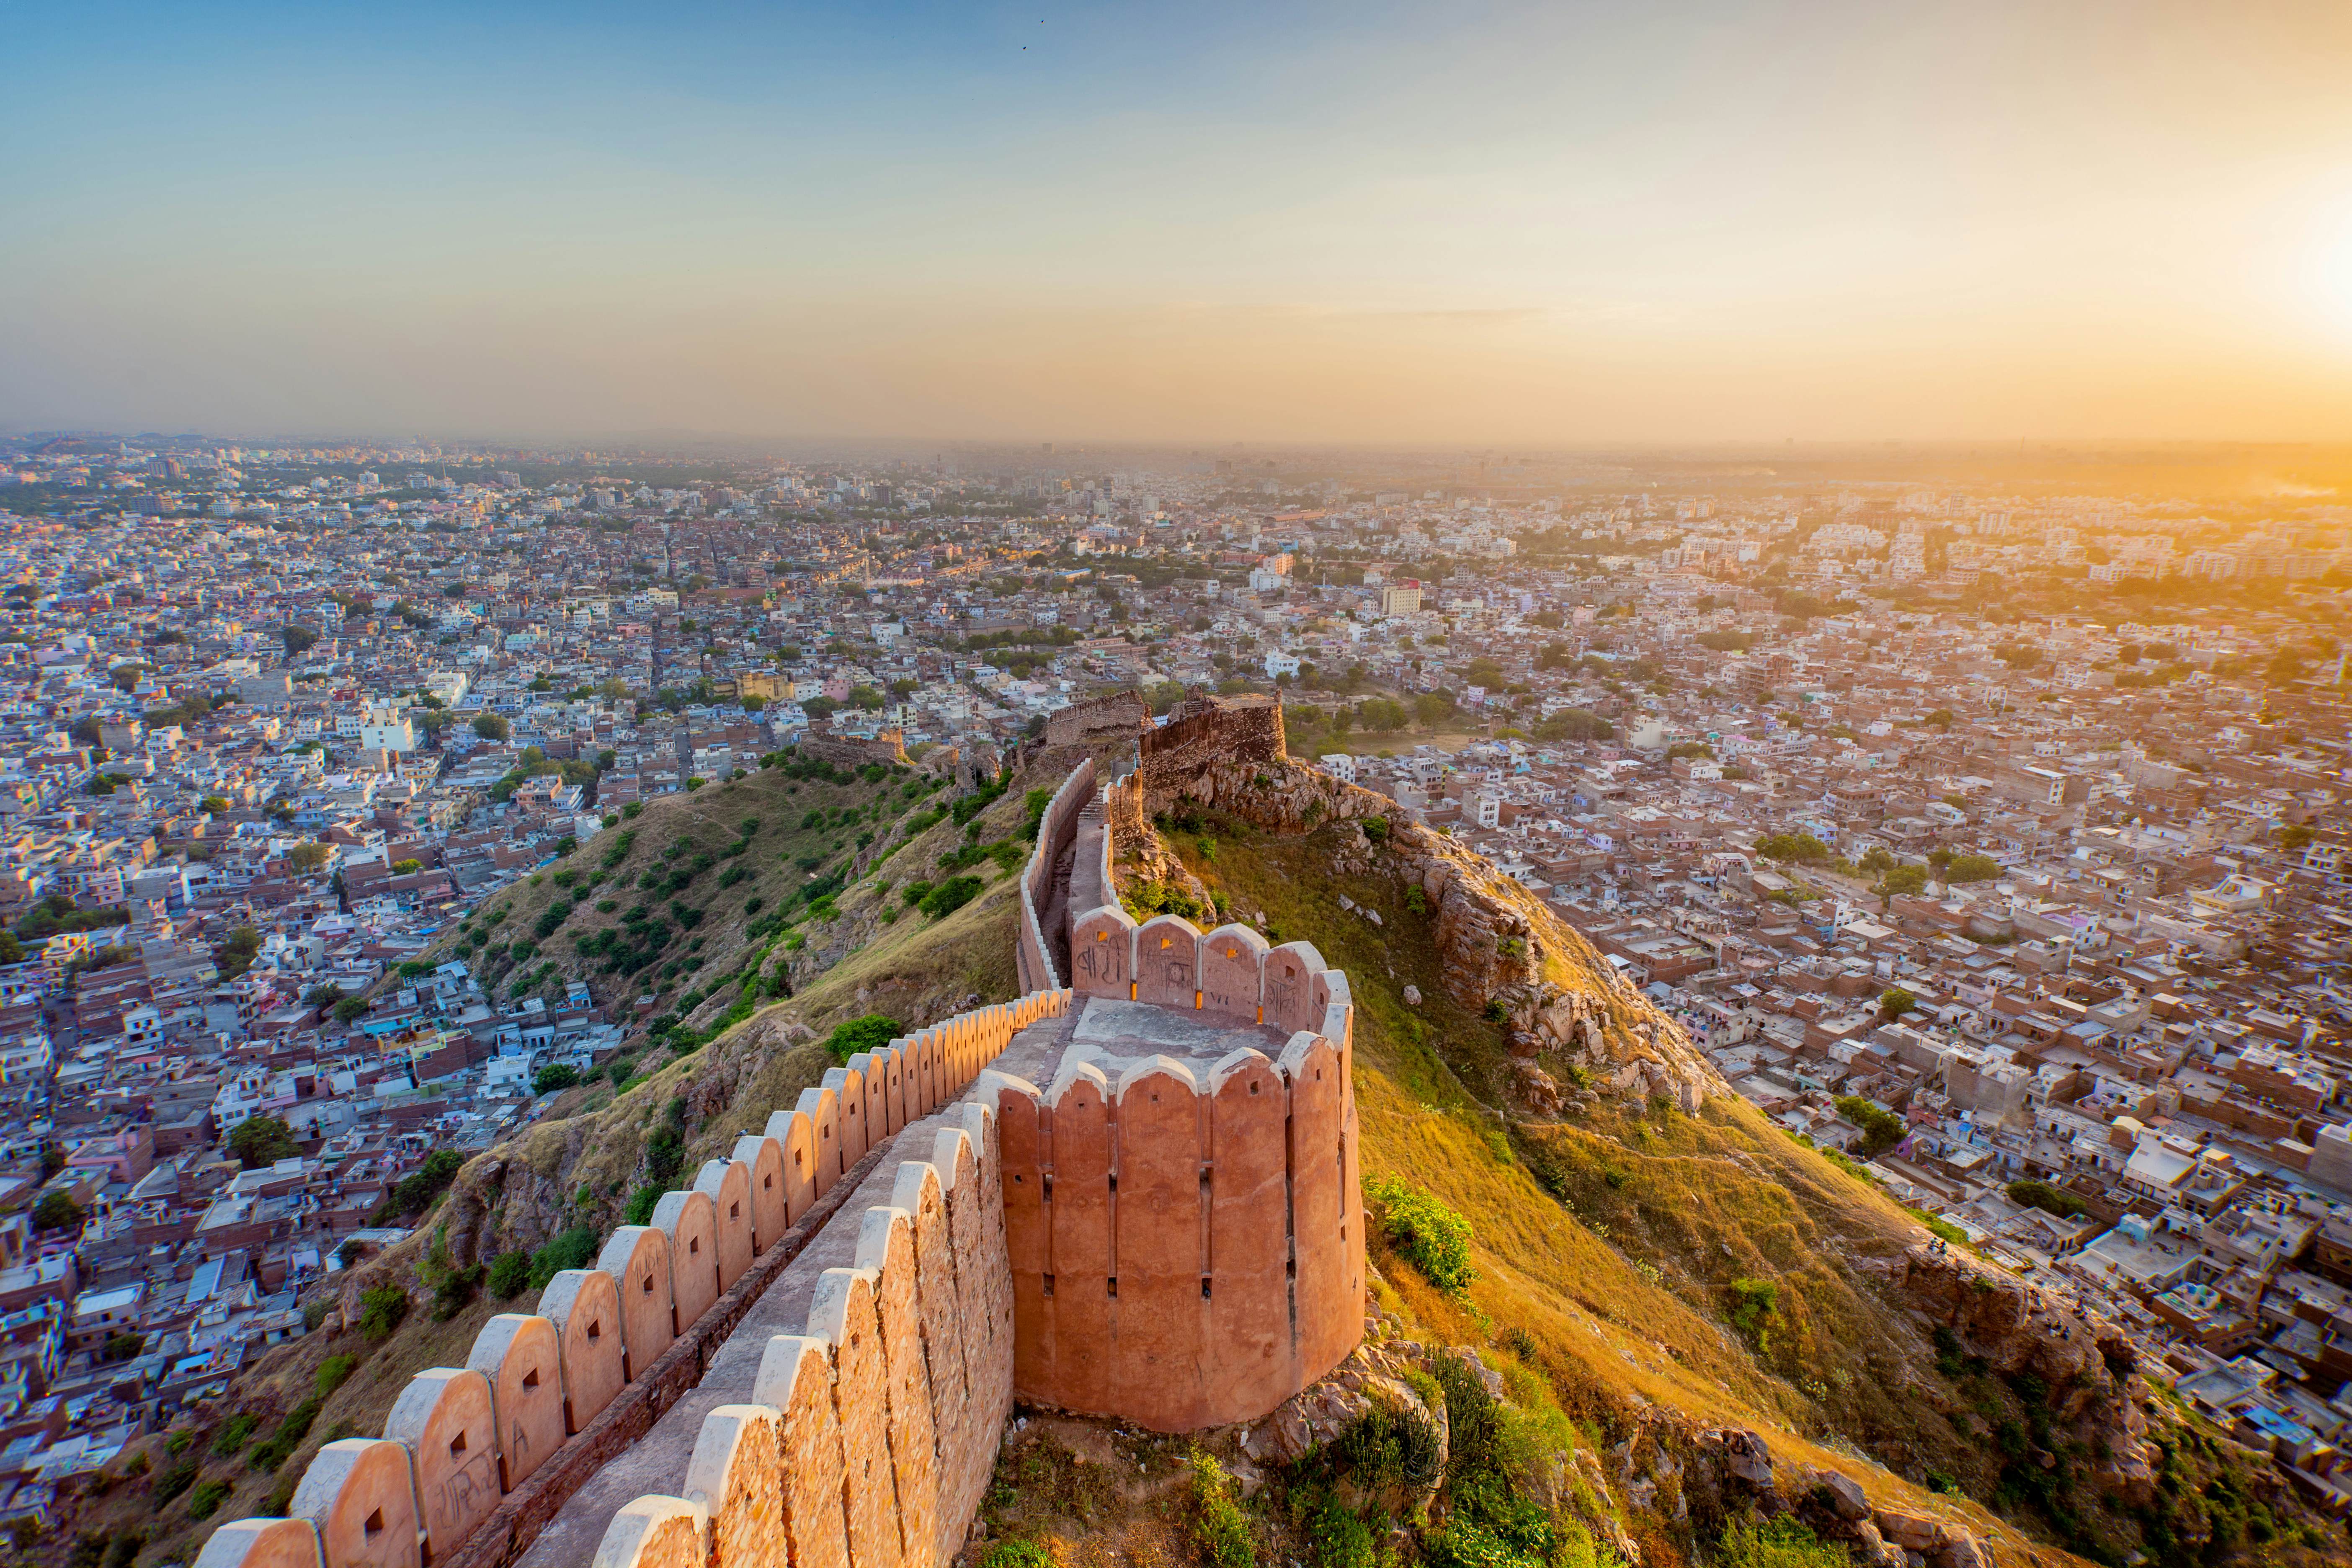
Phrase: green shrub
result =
(380, 1311)
(456, 1291)
(1880, 1130)
(1389, 1445)
(1755, 1305)
(289, 1436)
(2049, 1199)
(1220, 1528)
(333, 1371)
(1424, 1233)
(1780, 1542)
(641, 1204)
(950, 896)
(573, 1248)
(171, 1482)
(1017, 1554)
(869, 1033)
(1341, 1539)
(206, 1500)
(509, 1272)
(232, 1433)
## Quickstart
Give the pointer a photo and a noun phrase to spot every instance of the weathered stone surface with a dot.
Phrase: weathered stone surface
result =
(522, 1360)
(1746, 1456)
(2088, 1363)
(446, 1421)
(262, 1543)
(360, 1494)
(736, 1477)
(1846, 1496)
(1912, 1531)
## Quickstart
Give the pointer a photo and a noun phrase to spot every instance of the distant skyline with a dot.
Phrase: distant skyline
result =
(1550, 226)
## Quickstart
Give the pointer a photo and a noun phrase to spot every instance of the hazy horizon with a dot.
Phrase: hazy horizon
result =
(1735, 225)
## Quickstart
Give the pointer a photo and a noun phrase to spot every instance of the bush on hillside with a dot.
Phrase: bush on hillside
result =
(869, 1033)
(573, 1248)
(1220, 1528)
(1425, 1232)
(1880, 1130)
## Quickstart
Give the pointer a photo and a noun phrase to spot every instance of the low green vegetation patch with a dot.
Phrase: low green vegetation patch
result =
(1426, 1233)
(2049, 1199)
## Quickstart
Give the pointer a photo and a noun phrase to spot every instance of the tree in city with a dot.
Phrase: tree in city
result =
(1972, 869)
(306, 858)
(1881, 1129)
(1901, 881)
(236, 955)
(56, 1211)
(492, 727)
(1893, 1004)
(298, 639)
(260, 1141)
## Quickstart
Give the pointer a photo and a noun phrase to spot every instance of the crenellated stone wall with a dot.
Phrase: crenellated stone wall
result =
(1183, 1208)
(1169, 1232)
(475, 1459)
(1056, 831)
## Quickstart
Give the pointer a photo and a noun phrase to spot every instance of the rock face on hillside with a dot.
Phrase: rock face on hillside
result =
(1498, 943)
(2095, 1392)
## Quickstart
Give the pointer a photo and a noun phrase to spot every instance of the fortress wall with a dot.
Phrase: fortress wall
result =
(1055, 833)
(1185, 1251)
(906, 1370)
(1203, 731)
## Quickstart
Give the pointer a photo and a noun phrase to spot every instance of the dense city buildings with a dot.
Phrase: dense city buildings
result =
(1991, 837)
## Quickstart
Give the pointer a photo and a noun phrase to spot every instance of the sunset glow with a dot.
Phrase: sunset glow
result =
(1549, 223)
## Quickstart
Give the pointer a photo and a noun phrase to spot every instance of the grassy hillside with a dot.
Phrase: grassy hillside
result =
(1637, 1260)
(857, 947)
(1636, 1269)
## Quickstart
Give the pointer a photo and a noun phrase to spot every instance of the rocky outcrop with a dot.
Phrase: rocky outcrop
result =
(2092, 1373)
(1500, 947)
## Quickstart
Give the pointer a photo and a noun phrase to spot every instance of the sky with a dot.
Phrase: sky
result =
(1548, 225)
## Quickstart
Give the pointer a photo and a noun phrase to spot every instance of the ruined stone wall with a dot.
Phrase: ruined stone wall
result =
(847, 752)
(907, 1363)
(1119, 715)
(1056, 831)
(1202, 731)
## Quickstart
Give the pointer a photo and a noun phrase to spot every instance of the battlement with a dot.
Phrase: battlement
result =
(809, 1357)
(888, 747)
(474, 1461)
(1183, 1211)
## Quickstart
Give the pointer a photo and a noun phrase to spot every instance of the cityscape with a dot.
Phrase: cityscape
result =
(1994, 840)
(922, 786)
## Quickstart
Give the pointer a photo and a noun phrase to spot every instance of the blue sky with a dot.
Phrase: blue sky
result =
(1557, 224)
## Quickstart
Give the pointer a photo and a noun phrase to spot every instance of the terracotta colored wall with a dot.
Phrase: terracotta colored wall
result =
(1059, 826)
(894, 1401)
(1188, 1252)
(1102, 953)
(728, 1185)
(1167, 961)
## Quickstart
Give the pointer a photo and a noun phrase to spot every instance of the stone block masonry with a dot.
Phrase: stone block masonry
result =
(810, 1356)
(475, 1463)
